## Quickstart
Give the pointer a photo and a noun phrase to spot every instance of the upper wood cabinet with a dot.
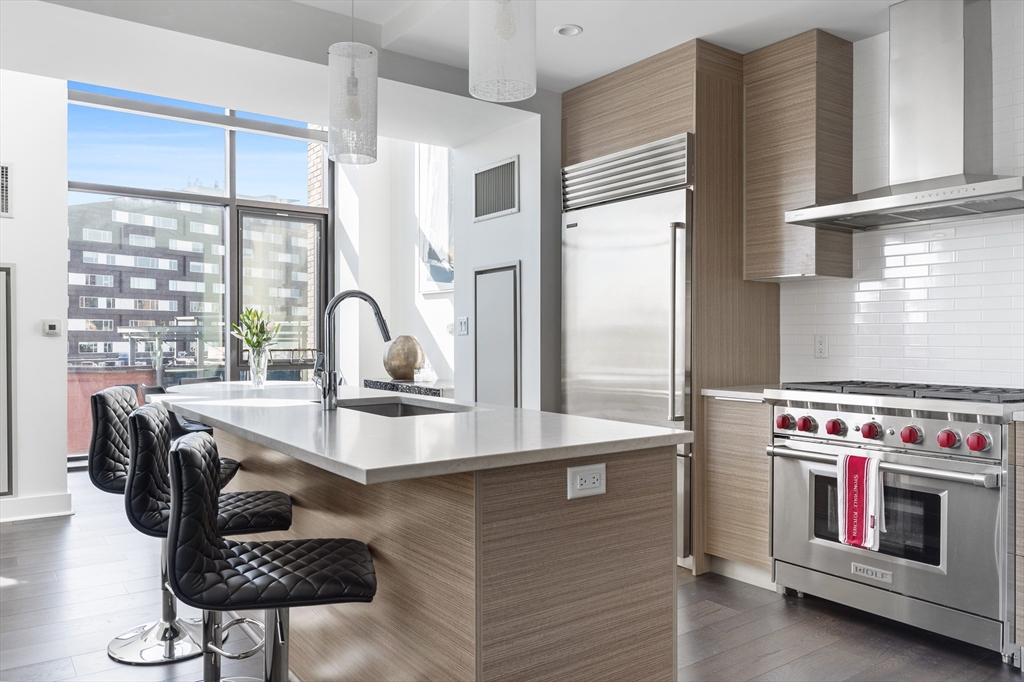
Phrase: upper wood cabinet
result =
(640, 103)
(798, 116)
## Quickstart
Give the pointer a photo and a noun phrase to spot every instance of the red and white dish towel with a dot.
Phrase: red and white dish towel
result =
(861, 501)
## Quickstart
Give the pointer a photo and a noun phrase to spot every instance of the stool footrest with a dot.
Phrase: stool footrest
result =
(248, 652)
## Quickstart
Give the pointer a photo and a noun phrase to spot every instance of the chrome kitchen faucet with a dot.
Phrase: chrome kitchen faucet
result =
(325, 373)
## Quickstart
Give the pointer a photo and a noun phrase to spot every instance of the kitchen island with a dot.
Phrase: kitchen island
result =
(486, 570)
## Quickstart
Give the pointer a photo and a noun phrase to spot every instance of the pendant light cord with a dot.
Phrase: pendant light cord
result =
(352, 44)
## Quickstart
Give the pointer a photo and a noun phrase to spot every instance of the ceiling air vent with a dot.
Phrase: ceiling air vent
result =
(5, 191)
(496, 190)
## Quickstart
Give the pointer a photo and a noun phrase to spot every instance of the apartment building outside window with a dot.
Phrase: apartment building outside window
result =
(153, 225)
(103, 236)
(90, 325)
(90, 280)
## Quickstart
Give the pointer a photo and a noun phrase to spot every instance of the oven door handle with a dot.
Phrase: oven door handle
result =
(980, 480)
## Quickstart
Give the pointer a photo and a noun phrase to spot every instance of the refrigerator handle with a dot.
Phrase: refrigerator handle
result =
(678, 410)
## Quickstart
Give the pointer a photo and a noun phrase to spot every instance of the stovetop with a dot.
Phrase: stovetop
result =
(886, 388)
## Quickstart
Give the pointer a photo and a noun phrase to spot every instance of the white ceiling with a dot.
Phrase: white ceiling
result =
(60, 42)
(616, 33)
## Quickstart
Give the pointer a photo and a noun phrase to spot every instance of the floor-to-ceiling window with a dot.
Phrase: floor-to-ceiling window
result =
(179, 216)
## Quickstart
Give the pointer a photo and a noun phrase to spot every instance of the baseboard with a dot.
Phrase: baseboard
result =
(38, 507)
(742, 572)
(685, 562)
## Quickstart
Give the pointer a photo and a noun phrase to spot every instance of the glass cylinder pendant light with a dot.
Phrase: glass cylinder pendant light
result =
(503, 49)
(352, 134)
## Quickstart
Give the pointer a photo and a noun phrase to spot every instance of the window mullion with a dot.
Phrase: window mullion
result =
(233, 277)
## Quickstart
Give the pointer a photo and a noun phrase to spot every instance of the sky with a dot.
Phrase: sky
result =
(118, 148)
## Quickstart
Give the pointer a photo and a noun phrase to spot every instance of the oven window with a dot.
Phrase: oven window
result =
(913, 520)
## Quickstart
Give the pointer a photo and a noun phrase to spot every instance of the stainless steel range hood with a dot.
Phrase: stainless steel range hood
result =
(940, 125)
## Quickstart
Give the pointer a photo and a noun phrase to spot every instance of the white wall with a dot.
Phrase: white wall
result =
(939, 303)
(515, 237)
(425, 316)
(33, 140)
(377, 236)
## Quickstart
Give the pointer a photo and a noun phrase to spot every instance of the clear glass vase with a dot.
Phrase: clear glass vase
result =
(258, 359)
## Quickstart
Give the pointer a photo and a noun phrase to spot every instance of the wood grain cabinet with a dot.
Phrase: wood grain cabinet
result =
(736, 508)
(798, 115)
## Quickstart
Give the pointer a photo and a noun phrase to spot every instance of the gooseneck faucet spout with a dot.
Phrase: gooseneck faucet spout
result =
(325, 372)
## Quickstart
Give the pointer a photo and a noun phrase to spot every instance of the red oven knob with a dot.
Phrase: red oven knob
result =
(978, 441)
(806, 424)
(870, 430)
(911, 434)
(835, 427)
(783, 421)
(948, 439)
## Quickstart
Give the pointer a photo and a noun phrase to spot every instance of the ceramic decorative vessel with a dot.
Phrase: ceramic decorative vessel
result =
(403, 356)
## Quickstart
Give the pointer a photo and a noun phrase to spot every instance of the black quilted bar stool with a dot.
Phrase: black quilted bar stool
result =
(108, 445)
(147, 504)
(210, 573)
(179, 425)
(109, 457)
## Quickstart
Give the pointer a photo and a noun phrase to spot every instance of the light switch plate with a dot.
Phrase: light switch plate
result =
(52, 327)
(462, 324)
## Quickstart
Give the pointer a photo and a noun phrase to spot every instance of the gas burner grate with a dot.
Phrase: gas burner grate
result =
(973, 393)
(823, 386)
(887, 388)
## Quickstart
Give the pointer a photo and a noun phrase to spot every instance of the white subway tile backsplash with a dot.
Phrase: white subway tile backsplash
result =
(926, 283)
(941, 303)
(880, 306)
(903, 295)
(930, 304)
(955, 292)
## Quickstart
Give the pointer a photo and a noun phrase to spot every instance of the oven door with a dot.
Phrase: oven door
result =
(942, 541)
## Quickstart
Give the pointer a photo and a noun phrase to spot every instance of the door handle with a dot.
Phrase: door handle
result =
(675, 277)
(980, 480)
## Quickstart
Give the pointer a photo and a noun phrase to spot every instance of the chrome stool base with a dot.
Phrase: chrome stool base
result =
(158, 643)
(168, 640)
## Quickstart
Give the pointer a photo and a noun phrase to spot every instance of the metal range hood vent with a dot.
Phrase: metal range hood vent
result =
(940, 125)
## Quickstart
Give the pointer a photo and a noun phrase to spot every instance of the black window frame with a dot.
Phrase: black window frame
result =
(233, 206)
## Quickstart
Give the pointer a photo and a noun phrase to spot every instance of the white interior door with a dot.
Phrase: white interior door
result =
(497, 335)
(6, 364)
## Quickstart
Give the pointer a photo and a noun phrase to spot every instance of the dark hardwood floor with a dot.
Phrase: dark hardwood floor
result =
(732, 631)
(67, 586)
(70, 585)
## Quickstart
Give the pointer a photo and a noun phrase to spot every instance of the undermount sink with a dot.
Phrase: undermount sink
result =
(402, 408)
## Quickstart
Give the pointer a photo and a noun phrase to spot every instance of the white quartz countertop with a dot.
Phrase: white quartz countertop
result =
(755, 392)
(369, 448)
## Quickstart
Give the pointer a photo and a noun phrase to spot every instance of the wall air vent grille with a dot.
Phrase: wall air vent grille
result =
(651, 168)
(496, 189)
(5, 191)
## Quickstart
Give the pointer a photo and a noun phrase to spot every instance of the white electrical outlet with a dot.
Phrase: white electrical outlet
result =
(586, 480)
(820, 346)
(462, 324)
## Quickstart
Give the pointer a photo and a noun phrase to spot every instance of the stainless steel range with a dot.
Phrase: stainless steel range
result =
(946, 562)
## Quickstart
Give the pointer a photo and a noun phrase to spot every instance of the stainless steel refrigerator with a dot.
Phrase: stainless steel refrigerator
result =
(626, 235)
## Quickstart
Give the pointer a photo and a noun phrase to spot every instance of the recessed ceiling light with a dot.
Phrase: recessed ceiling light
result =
(569, 30)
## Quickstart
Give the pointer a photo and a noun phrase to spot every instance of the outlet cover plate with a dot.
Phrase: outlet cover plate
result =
(584, 481)
(821, 346)
(462, 325)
